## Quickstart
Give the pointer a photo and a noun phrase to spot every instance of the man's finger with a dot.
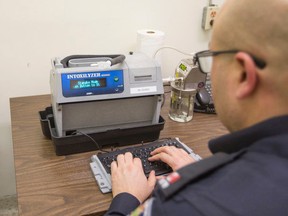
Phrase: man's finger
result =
(120, 159)
(164, 157)
(128, 157)
(152, 179)
(113, 166)
(138, 162)
(166, 149)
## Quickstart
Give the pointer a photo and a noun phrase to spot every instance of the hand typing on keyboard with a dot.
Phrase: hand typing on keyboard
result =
(176, 158)
(159, 157)
(128, 176)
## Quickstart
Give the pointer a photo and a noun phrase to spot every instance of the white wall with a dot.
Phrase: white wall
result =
(34, 31)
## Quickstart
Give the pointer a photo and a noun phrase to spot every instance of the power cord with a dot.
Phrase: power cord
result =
(173, 48)
(93, 140)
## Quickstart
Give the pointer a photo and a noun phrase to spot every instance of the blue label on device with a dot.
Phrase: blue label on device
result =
(92, 83)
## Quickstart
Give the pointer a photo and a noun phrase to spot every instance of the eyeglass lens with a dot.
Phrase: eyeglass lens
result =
(205, 63)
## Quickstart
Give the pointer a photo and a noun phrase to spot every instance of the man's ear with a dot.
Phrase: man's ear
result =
(248, 77)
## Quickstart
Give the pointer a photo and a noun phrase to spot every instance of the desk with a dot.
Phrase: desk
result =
(64, 185)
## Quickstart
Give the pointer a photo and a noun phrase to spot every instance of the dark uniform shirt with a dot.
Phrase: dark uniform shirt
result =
(247, 175)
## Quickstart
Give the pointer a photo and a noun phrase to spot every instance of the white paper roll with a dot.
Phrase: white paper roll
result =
(149, 41)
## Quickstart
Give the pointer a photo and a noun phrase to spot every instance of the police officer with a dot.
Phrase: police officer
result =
(248, 172)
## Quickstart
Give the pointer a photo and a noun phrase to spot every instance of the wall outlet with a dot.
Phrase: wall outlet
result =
(209, 14)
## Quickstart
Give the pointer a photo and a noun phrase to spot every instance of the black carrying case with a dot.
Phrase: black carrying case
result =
(72, 144)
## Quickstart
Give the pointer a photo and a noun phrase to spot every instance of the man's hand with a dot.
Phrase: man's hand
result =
(176, 158)
(127, 175)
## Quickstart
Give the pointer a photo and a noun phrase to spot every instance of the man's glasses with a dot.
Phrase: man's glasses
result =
(205, 58)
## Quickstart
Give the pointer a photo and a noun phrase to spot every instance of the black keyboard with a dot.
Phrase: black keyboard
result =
(101, 164)
(143, 152)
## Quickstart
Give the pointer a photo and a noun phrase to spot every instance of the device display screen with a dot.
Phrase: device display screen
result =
(88, 83)
(182, 67)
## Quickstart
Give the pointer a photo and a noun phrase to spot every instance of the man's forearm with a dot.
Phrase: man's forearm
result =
(122, 204)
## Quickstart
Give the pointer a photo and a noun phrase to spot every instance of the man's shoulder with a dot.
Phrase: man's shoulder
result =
(227, 184)
(179, 179)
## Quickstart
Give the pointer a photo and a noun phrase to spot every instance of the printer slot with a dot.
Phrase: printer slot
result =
(143, 78)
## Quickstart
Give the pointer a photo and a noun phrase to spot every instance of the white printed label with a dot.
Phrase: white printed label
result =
(146, 89)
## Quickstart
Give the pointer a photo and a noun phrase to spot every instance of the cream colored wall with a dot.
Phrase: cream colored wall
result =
(34, 31)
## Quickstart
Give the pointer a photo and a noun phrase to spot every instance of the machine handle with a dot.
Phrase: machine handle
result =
(114, 59)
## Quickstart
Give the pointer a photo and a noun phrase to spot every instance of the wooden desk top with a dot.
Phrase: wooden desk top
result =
(64, 185)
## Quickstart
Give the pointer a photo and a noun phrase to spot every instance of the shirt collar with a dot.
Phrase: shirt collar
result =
(241, 139)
